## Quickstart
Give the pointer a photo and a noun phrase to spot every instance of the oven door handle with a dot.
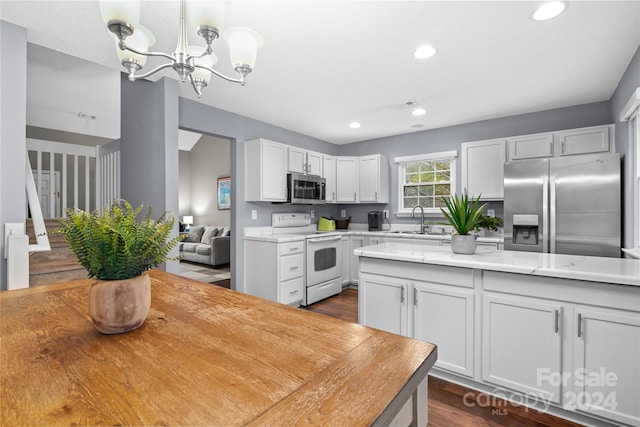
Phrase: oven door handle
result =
(324, 239)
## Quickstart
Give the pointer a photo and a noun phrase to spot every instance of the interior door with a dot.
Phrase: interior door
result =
(49, 188)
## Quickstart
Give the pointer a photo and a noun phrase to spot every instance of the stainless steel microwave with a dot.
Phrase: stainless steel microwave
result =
(305, 189)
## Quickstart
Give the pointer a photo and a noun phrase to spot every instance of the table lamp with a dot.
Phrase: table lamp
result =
(187, 220)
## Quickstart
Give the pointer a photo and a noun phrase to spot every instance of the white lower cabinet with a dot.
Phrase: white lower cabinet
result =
(445, 316)
(606, 375)
(355, 242)
(521, 341)
(275, 271)
(570, 344)
(382, 303)
(345, 264)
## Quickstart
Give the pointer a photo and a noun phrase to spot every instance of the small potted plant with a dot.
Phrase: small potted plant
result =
(463, 215)
(116, 248)
(488, 224)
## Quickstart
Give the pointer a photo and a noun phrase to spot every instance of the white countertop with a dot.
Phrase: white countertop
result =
(599, 269)
(278, 235)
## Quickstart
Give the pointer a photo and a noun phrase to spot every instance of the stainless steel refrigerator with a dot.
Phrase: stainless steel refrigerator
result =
(568, 205)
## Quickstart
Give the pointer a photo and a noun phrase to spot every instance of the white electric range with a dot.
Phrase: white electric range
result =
(322, 254)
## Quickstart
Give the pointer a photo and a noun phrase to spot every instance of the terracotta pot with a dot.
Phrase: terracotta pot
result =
(463, 244)
(118, 306)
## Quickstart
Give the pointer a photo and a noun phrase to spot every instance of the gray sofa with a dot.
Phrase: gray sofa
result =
(207, 245)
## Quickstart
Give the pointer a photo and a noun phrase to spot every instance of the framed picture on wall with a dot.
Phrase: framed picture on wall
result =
(224, 193)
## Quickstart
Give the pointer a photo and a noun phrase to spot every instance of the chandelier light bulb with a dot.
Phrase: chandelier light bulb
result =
(209, 13)
(140, 40)
(127, 11)
(206, 61)
(243, 46)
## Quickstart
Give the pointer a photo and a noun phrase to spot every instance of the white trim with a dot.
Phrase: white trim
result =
(427, 157)
(632, 106)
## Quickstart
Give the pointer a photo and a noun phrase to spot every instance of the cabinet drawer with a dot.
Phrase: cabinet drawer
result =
(291, 248)
(291, 291)
(291, 266)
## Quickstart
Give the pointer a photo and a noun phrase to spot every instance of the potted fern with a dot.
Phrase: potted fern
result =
(463, 215)
(116, 248)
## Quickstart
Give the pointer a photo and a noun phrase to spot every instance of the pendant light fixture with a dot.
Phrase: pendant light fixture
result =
(192, 63)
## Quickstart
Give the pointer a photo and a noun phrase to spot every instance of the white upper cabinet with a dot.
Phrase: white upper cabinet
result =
(347, 179)
(329, 174)
(266, 171)
(531, 146)
(303, 161)
(373, 179)
(582, 141)
(594, 139)
(483, 168)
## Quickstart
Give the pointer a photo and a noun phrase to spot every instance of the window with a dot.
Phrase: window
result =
(424, 179)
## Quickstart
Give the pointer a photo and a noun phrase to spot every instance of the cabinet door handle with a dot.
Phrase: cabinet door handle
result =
(295, 267)
(557, 321)
(579, 325)
(402, 294)
(415, 297)
(293, 292)
(376, 197)
(354, 197)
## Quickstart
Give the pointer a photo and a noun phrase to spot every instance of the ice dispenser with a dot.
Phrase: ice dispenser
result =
(525, 229)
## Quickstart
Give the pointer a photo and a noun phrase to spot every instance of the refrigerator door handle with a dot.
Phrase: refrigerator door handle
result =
(545, 214)
(552, 214)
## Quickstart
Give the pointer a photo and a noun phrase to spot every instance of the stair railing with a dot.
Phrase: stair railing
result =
(17, 247)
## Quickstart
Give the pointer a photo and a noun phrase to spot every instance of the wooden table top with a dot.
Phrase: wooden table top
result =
(204, 356)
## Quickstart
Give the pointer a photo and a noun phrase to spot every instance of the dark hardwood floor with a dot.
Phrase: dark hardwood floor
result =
(450, 404)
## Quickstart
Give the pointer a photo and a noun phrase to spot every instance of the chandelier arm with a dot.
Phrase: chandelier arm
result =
(155, 70)
(202, 55)
(219, 74)
(166, 55)
(193, 83)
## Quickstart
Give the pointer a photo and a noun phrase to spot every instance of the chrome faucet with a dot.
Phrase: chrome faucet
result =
(421, 217)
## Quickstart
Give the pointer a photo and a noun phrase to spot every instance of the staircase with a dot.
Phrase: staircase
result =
(55, 266)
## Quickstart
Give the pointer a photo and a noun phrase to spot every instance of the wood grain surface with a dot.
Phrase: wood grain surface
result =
(205, 356)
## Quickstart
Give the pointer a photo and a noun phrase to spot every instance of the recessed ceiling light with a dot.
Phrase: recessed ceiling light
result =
(549, 10)
(424, 52)
(354, 125)
(419, 112)
(417, 126)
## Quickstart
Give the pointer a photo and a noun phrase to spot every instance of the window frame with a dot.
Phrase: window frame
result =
(400, 162)
(631, 113)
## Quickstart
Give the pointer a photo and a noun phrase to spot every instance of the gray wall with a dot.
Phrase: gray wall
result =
(200, 118)
(210, 159)
(13, 145)
(451, 138)
(628, 83)
(149, 147)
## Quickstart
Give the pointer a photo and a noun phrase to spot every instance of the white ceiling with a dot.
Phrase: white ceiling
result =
(327, 63)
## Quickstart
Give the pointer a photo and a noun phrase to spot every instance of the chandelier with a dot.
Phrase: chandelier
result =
(190, 62)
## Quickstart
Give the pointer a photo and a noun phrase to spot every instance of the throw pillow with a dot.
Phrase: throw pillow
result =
(226, 231)
(209, 232)
(195, 234)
